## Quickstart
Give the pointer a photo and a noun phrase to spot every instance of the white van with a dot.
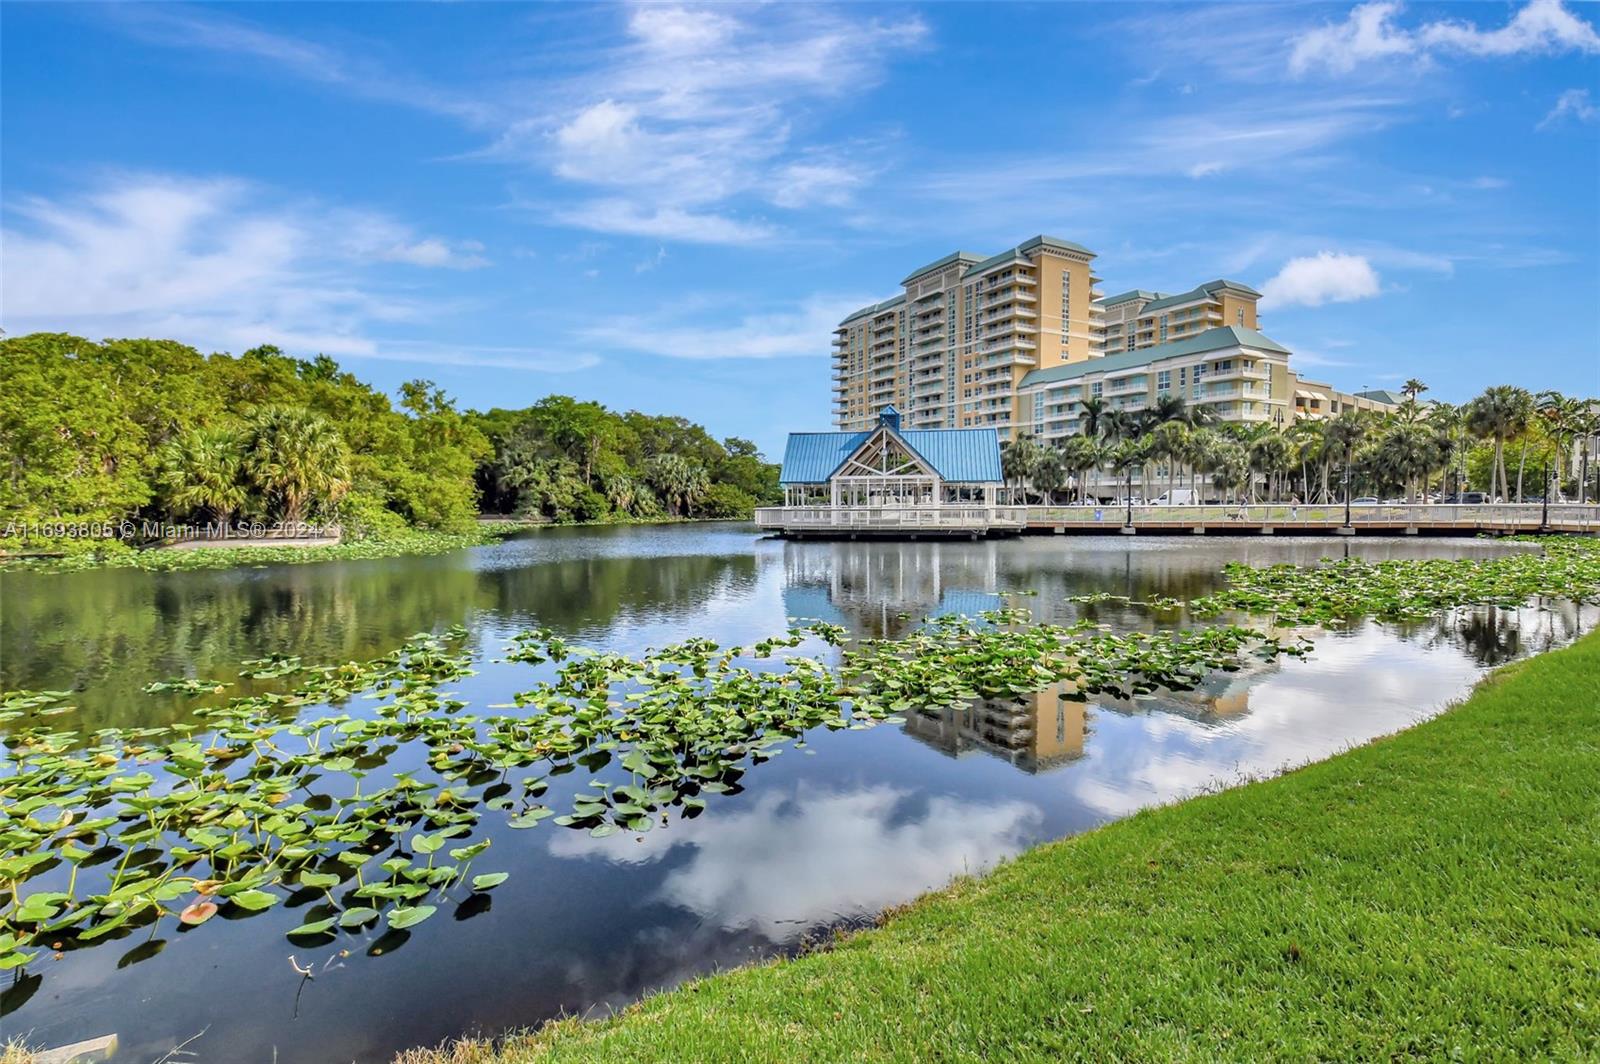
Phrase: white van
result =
(1176, 497)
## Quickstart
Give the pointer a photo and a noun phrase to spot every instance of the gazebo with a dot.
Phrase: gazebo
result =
(891, 478)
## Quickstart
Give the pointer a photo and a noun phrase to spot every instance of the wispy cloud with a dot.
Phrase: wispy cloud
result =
(196, 28)
(215, 262)
(1574, 104)
(783, 332)
(692, 121)
(1371, 32)
(686, 127)
(1327, 277)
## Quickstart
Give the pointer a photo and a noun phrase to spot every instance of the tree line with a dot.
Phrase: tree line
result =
(1506, 443)
(155, 430)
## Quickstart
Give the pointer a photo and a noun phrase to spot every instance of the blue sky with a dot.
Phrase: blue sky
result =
(668, 207)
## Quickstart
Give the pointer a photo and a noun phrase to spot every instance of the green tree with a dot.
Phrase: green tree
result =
(297, 461)
(1499, 414)
(203, 470)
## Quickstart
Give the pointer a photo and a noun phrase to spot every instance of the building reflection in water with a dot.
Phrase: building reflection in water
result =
(1034, 733)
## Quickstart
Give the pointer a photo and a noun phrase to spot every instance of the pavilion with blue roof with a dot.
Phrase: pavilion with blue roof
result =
(905, 477)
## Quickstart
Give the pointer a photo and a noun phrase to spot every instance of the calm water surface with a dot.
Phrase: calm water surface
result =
(825, 835)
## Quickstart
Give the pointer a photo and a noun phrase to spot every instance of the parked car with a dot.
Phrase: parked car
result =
(1365, 500)
(1468, 498)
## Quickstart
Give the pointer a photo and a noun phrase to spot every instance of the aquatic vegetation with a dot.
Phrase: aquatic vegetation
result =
(122, 557)
(1339, 591)
(254, 805)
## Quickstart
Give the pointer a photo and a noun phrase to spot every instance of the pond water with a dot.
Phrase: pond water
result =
(822, 837)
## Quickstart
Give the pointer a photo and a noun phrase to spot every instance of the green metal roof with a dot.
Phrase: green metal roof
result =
(996, 260)
(1053, 242)
(1137, 293)
(1211, 340)
(954, 257)
(1210, 288)
(872, 310)
(1383, 395)
(1019, 253)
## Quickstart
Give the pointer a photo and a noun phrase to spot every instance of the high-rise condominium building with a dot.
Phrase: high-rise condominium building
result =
(1017, 341)
(951, 350)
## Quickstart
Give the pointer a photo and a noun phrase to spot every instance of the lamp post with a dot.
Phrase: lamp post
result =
(1127, 493)
(1544, 512)
(1346, 479)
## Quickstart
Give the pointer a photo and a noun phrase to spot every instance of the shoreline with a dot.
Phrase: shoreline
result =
(1415, 896)
(414, 542)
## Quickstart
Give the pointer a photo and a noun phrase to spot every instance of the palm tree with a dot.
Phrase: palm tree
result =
(1271, 456)
(1498, 414)
(297, 459)
(1080, 454)
(679, 480)
(1090, 411)
(1118, 425)
(1126, 456)
(1406, 452)
(1169, 440)
(1230, 468)
(1446, 421)
(1560, 415)
(1201, 454)
(1305, 443)
(203, 469)
(1048, 472)
(1586, 424)
(1017, 459)
(1168, 408)
(1341, 435)
(1412, 388)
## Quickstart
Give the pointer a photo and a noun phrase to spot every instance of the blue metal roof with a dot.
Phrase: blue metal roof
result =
(811, 457)
(962, 456)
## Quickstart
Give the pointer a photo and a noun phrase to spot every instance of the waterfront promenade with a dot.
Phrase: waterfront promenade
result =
(1259, 519)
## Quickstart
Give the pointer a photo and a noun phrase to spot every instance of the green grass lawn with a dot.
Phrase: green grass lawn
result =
(1432, 895)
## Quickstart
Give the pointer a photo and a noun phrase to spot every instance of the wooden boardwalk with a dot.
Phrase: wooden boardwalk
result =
(1423, 519)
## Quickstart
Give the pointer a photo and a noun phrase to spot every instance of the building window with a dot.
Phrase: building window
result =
(1096, 388)
(1163, 381)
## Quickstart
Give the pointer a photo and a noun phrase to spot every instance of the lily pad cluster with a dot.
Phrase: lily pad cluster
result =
(111, 831)
(1337, 592)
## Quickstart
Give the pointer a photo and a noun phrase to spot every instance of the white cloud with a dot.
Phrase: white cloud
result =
(215, 262)
(1327, 277)
(652, 263)
(696, 115)
(176, 26)
(1370, 32)
(800, 331)
(697, 111)
(787, 861)
(1573, 104)
(630, 218)
(1367, 33)
(1541, 26)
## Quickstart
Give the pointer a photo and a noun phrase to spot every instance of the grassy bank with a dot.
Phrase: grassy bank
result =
(1426, 896)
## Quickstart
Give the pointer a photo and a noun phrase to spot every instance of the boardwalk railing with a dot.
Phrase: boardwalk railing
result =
(891, 518)
(1417, 518)
(1564, 517)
